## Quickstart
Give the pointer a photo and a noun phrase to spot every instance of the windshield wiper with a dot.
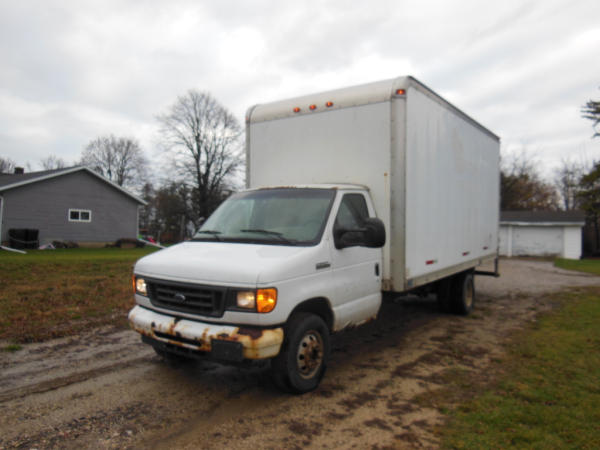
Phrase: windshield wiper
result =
(269, 232)
(213, 233)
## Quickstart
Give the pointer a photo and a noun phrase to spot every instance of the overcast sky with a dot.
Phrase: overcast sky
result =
(71, 71)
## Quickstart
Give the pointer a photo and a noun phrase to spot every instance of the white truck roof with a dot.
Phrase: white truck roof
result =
(364, 94)
(338, 186)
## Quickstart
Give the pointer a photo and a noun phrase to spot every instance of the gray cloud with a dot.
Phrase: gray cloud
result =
(74, 70)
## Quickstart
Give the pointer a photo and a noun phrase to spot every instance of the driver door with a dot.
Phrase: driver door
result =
(356, 269)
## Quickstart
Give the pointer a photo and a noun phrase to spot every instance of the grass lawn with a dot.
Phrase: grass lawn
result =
(547, 389)
(55, 293)
(581, 265)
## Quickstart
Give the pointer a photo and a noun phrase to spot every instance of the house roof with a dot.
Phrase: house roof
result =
(547, 217)
(11, 181)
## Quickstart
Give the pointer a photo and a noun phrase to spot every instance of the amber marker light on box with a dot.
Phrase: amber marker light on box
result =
(329, 104)
(313, 107)
(400, 92)
(266, 299)
(296, 109)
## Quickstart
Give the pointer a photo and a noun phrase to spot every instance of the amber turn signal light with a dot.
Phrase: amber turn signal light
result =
(266, 299)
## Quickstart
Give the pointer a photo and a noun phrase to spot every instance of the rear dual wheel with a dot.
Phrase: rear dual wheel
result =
(457, 294)
(463, 293)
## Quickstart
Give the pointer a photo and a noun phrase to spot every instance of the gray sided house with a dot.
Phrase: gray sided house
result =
(72, 204)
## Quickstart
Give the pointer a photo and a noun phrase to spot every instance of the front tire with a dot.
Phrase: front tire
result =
(302, 361)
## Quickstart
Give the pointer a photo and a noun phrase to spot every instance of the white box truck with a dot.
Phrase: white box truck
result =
(383, 187)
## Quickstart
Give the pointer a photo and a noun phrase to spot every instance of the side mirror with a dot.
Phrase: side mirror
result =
(374, 233)
(371, 235)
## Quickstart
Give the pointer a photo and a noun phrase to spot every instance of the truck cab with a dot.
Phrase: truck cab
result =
(270, 274)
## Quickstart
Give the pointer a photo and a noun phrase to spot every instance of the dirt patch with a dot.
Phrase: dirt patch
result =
(378, 423)
(307, 430)
(104, 389)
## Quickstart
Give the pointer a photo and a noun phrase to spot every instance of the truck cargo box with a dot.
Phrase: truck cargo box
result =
(432, 171)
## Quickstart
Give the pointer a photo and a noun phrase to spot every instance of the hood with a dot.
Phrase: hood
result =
(229, 263)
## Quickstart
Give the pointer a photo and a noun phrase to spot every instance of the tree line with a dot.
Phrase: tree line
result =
(576, 184)
(203, 142)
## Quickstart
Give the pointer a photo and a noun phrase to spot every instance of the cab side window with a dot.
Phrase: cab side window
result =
(353, 212)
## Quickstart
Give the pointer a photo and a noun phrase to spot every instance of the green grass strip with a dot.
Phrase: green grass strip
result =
(581, 265)
(548, 394)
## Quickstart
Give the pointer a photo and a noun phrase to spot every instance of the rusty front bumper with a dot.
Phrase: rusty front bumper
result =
(253, 343)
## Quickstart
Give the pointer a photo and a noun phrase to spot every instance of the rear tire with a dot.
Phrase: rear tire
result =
(463, 293)
(302, 361)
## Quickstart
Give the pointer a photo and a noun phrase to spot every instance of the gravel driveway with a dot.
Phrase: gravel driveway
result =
(104, 389)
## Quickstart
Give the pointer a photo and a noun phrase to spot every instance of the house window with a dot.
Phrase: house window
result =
(80, 215)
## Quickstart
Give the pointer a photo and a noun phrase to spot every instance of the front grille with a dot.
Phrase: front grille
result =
(188, 298)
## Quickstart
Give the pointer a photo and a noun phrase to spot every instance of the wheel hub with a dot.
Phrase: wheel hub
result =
(310, 354)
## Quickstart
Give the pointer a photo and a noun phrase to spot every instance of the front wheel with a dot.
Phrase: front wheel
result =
(302, 361)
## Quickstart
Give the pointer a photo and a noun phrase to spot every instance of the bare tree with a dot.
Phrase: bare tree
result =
(171, 207)
(121, 160)
(589, 199)
(7, 165)
(568, 183)
(203, 139)
(591, 111)
(148, 211)
(522, 188)
(53, 162)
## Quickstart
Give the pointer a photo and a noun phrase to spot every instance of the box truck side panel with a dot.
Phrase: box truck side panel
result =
(451, 189)
(345, 145)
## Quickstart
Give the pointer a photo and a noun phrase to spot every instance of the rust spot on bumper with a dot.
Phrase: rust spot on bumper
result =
(254, 333)
(257, 343)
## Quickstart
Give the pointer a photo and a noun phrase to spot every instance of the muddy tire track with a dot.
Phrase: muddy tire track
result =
(104, 389)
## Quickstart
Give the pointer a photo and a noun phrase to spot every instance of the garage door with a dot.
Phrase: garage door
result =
(537, 241)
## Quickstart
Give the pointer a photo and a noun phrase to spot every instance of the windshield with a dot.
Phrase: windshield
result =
(293, 216)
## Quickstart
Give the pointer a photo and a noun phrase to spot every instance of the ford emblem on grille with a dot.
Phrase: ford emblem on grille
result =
(179, 297)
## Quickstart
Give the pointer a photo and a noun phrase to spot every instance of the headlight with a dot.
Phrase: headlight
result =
(259, 300)
(141, 287)
(246, 300)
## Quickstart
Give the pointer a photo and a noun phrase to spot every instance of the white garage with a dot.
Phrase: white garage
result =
(541, 233)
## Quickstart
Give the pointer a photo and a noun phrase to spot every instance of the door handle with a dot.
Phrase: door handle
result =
(376, 269)
(323, 265)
